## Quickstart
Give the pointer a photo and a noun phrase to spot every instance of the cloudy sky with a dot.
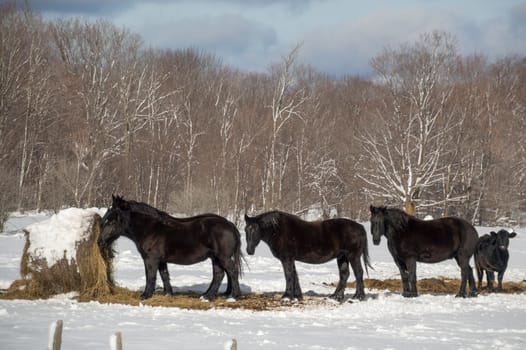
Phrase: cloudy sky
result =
(338, 36)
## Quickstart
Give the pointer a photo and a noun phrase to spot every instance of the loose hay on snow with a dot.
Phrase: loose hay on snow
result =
(439, 285)
(251, 301)
(89, 272)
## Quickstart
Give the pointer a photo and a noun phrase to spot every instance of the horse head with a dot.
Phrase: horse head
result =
(113, 225)
(253, 234)
(377, 223)
(119, 202)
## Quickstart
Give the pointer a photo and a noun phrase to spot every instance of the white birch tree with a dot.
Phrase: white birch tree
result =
(286, 102)
(406, 146)
(95, 55)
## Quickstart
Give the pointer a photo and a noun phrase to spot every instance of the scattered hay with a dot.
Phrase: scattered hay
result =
(192, 301)
(257, 302)
(440, 285)
(90, 273)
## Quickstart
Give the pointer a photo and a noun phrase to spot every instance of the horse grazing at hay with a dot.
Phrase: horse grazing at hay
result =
(161, 239)
(410, 240)
(291, 238)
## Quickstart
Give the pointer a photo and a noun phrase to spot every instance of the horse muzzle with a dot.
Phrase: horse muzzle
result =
(376, 241)
(251, 250)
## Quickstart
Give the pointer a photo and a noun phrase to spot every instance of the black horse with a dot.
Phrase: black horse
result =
(410, 240)
(291, 238)
(161, 239)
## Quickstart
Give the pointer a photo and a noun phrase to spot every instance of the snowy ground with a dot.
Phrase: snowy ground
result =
(384, 321)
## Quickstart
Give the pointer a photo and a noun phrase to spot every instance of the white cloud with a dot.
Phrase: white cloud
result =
(347, 47)
(339, 36)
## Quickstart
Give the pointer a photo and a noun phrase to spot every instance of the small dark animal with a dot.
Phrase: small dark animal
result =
(410, 240)
(161, 239)
(291, 238)
(491, 255)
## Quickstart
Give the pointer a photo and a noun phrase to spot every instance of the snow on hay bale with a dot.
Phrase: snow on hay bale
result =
(61, 255)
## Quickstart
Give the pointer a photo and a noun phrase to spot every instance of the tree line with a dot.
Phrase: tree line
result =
(87, 110)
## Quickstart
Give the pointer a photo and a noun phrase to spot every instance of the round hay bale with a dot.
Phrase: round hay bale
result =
(61, 255)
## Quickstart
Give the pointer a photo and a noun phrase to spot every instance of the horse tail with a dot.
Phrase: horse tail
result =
(365, 256)
(239, 258)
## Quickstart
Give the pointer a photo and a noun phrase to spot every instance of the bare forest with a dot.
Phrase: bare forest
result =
(87, 110)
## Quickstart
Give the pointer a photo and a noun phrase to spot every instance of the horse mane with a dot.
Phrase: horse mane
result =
(143, 208)
(269, 221)
(146, 209)
(398, 219)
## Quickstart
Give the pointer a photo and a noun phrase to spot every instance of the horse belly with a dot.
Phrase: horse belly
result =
(315, 257)
(185, 257)
(431, 256)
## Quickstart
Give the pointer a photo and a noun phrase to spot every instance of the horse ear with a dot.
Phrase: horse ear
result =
(372, 209)
(247, 218)
(119, 202)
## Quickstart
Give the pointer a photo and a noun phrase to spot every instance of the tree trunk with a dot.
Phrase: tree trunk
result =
(410, 206)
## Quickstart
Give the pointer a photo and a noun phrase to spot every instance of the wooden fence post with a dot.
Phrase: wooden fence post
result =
(55, 335)
(116, 341)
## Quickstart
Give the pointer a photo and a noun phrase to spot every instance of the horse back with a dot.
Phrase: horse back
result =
(318, 241)
(440, 239)
(193, 239)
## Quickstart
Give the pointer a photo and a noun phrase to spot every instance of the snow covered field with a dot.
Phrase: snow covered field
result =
(384, 321)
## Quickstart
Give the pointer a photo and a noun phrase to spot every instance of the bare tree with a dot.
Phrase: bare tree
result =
(93, 54)
(287, 100)
(408, 143)
(25, 94)
(228, 94)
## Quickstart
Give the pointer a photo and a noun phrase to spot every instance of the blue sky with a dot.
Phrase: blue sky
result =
(338, 37)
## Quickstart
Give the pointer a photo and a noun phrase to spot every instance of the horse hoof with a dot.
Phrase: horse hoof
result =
(359, 296)
(290, 300)
(337, 297)
(206, 298)
(409, 295)
(460, 295)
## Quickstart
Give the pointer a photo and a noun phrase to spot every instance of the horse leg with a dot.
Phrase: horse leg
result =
(292, 287)
(358, 275)
(150, 267)
(343, 267)
(218, 274)
(232, 274)
(480, 276)
(404, 275)
(466, 275)
(228, 290)
(411, 270)
(165, 276)
(296, 287)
